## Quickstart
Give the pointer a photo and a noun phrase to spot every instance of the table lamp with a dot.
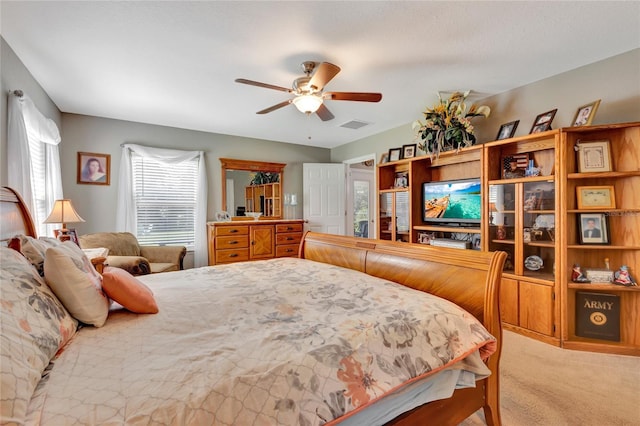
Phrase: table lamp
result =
(63, 212)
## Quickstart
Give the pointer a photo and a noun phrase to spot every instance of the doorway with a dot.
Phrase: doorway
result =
(360, 196)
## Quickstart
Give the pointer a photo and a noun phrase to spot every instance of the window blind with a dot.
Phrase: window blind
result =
(165, 197)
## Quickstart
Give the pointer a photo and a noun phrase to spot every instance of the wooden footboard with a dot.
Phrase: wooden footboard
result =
(468, 278)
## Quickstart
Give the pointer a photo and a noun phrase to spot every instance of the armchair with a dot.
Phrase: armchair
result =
(126, 253)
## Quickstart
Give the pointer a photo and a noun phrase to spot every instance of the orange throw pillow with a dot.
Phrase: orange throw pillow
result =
(128, 291)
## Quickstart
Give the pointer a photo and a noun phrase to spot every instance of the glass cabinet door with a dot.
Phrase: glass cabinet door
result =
(538, 234)
(385, 221)
(502, 221)
(403, 230)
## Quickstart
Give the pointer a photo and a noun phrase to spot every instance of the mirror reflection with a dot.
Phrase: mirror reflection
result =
(252, 186)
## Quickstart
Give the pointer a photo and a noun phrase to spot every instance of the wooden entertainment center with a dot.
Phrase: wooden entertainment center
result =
(536, 218)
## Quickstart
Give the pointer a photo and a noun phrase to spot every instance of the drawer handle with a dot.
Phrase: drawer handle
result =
(289, 250)
(289, 228)
(233, 255)
(233, 231)
(233, 242)
(289, 238)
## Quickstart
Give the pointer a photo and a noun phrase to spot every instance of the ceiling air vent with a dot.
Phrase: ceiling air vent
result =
(354, 124)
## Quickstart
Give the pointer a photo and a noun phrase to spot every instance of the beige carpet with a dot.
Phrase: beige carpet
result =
(545, 385)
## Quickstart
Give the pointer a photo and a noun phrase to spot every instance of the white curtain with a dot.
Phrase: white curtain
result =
(126, 208)
(26, 125)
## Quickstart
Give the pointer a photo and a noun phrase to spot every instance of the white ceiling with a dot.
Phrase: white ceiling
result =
(174, 63)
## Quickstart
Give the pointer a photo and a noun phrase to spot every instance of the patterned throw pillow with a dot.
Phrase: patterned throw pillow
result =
(77, 284)
(34, 325)
(34, 249)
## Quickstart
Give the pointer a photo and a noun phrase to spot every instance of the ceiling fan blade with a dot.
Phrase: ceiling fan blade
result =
(323, 74)
(324, 113)
(265, 85)
(353, 96)
(275, 107)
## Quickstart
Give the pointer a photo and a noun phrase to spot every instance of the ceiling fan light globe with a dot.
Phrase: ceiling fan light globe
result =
(307, 103)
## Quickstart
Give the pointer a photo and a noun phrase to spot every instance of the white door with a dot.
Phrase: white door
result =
(323, 187)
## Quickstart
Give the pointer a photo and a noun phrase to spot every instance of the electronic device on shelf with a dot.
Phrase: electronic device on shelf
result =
(448, 242)
(452, 202)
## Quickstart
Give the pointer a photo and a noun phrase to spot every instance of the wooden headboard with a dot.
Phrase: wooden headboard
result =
(14, 216)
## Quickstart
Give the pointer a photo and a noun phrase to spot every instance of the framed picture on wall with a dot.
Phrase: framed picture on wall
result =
(593, 228)
(594, 156)
(94, 168)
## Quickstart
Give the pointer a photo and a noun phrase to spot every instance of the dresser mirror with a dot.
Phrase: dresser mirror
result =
(252, 186)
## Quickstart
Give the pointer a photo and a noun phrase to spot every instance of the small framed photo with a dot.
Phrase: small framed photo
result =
(94, 169)
(593, 228)
(599, 275)
(584, 114)
(409, 151)
(402, 180)
(384, 158)
(66, 235)
(594, 156)
(542, 123)
(507, 130)
(395, 154)
(596, 197)
(514, 166)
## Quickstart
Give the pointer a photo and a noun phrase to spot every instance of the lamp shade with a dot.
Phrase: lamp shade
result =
(63, 212)
(307, 103)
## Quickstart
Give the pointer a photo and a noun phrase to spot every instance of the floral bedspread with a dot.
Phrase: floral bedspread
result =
(283, 341)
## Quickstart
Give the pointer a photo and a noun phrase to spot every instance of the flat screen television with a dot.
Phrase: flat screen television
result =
(456, 202)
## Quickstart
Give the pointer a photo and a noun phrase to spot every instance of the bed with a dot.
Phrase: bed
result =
(344, 334)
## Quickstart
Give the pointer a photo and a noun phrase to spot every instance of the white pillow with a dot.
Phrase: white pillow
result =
(34, 326)
(77, 284)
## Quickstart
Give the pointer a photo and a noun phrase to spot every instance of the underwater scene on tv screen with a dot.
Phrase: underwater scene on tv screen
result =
(455, 201)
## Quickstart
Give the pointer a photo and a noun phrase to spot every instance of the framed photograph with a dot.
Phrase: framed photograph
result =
(402, 180)
(584, 114)
(94, 169)
(514, 165)
(542, 123)
(593, 228)
(507, 130)
(594, 156)
(596, 197)
(409, 151)
(384, 158)
(395, 154)
(66, 235)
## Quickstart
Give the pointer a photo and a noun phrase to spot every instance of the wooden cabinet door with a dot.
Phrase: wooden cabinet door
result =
(509, 301)
(262, 242)
(536, 307)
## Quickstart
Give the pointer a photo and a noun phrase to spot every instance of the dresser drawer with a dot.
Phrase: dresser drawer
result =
(233, 255)
(287, 250)
(232, 230)
(292, 238)
(290, 227)
(232, 242)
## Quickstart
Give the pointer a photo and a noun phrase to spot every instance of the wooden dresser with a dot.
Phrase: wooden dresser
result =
(240, 241)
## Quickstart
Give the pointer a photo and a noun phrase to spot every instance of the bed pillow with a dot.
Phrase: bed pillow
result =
(128, 291)
(76, 282)
(34, 325)
(34, 249)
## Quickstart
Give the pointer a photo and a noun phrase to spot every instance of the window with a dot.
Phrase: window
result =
(166, 200)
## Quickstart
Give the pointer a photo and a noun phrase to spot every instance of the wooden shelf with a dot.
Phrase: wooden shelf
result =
(523, 180)
(603, 175)
(601, 287)
(601, 247)
(435, 228)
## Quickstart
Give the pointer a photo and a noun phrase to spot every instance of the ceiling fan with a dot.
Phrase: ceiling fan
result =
(308, 94)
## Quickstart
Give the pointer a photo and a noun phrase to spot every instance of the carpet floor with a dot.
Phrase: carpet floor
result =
(541, 384)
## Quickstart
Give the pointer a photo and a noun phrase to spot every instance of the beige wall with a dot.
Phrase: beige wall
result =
(14, 75)
(616, 81)
(97, 203)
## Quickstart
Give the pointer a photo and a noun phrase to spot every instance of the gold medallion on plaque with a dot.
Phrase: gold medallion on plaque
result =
(598, 318)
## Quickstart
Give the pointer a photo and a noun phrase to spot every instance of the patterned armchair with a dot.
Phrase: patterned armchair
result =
(126, 253)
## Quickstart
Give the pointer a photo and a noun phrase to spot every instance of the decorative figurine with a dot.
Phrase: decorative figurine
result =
(606, 264)
(501, 233)
(623, 277)
(577, 276)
